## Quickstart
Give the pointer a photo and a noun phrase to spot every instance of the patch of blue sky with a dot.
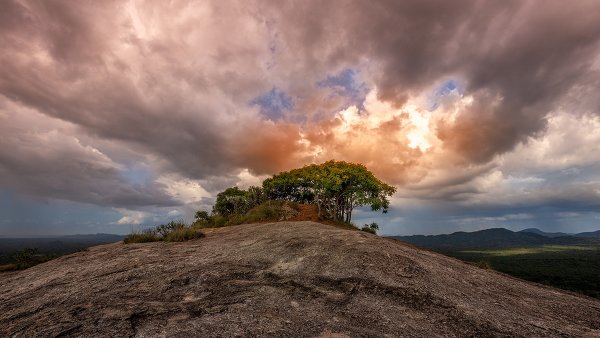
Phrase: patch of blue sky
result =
(346, 84)
(274, 104)
(136, 175)
(448, 88)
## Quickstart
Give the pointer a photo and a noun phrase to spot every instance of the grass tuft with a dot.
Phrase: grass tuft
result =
(174, 231)
(142, 237)
(183, 234)
(9, 267)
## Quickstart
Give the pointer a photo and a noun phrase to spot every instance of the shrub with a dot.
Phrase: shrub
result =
(214, 221)
(270, 211)
(219, 221)
(144, 236)
(183, 234)
(202, 216)
(165, 229)
(174, 231)
(484, 265)
(370, 228)
(29, 257)
(9, 267)
(26, 257)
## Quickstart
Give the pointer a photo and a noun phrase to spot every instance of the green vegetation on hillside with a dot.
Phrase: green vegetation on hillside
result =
(22, 253)
(26, 258)
(569, 267)
(174, 231)
(336, 188)
(370, 228)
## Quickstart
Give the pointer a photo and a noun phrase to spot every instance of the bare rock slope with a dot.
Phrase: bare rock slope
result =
(299, 279)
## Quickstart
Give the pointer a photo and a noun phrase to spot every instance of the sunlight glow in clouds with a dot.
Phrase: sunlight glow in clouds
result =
(150, 107)
(420, 129)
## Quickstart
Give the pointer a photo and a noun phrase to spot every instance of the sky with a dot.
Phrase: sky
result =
(116, 115)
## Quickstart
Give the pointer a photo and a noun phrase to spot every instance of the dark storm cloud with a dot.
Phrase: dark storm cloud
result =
(517, 58)
(90, 64)
(83, 63)
(92, 89)
(40, 158)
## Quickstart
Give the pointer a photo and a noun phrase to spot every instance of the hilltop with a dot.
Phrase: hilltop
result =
(300, 279)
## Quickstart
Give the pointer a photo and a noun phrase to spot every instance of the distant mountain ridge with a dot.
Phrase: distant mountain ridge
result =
(545, 234)
(500, 238)
(589, 234)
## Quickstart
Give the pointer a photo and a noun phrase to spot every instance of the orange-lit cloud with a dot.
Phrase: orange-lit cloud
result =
(139, 102)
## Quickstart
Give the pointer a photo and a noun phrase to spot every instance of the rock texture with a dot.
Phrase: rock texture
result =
(288, 279)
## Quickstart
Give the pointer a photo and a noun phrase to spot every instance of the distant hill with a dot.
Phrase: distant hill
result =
(493, 238)
(545, 234)
(591, 234)
(55, 246)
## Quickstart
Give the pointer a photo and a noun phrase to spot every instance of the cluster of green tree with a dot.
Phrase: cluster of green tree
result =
(569, 267)
(335, 187)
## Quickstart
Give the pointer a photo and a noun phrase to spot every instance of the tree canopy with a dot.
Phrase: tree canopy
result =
(336, 187)
(232, 201)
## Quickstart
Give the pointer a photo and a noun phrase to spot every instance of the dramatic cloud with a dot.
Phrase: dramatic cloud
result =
(148, 108)
(41, 156)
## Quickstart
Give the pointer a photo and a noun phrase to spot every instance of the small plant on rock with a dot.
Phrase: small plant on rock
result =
(370, 228)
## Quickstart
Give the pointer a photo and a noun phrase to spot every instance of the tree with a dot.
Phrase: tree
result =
(336, 187)
(202, 216)
(255, 195)
(232, 201)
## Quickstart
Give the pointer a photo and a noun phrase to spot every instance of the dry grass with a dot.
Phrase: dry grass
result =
(142, 237)
(183, 234)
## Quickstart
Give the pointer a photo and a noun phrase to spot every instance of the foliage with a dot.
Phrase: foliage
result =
(370, 228)
(173, 231)
(22, 253)
(183, 234)
(335, 187)
(270, 211)
(212, 221)
(237, 201)
(569, 267)
(165, 229)
(201, 216)
(219, 221)
(26, 258)
(144, 236)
